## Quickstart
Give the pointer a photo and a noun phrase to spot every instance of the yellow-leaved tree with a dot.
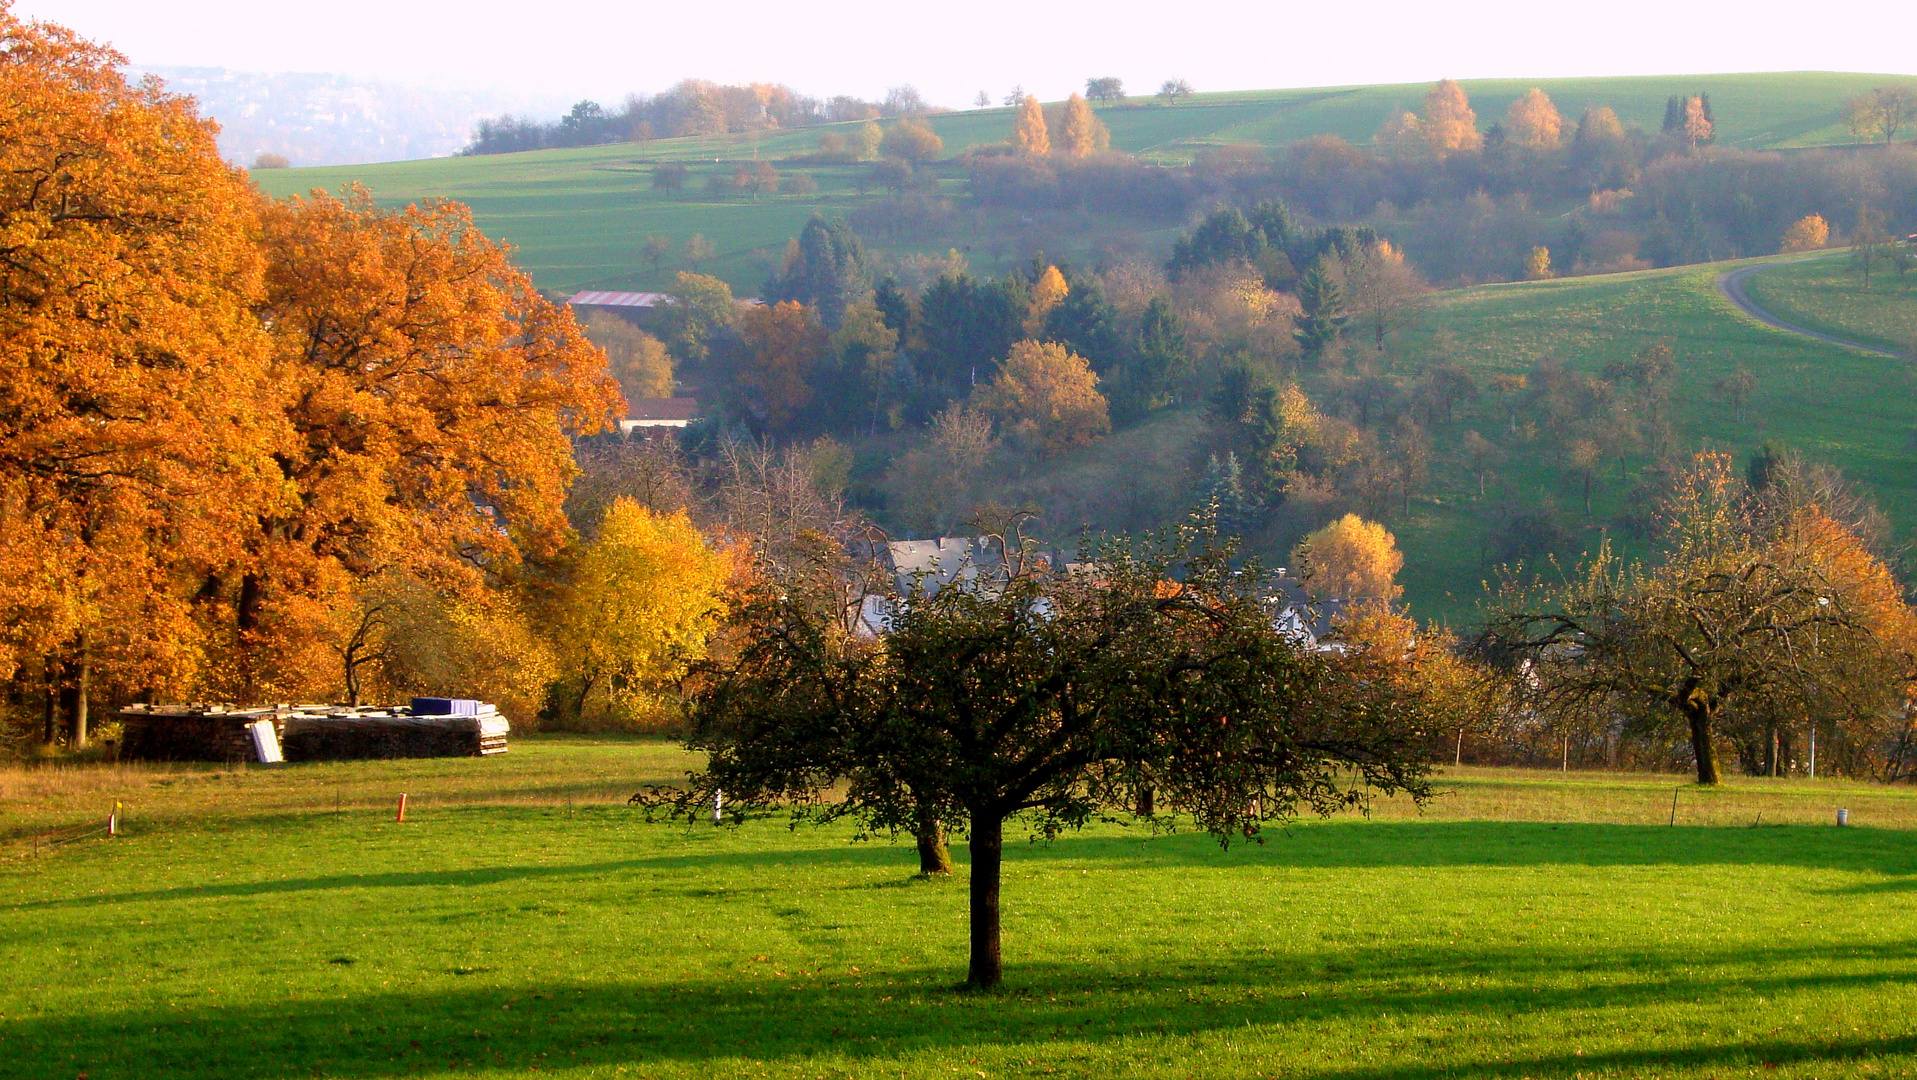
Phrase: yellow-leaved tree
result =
(645, 597)
(1807, 233)
(637, 359)
(1083, 133)
(1449, 124)
(1401, 135)
(1046, 397)
(1047, 293)
(1533, 122)
(1537, 265)
(1029, 136)
(1352, 559)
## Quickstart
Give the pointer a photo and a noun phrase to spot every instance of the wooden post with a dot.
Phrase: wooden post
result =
(402, 807)
(1565, 765)
(1674, 792)
(113, 821)
(1813, 750)
(1458, 758)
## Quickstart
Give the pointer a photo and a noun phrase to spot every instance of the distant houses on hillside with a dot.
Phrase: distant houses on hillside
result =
(945, 561)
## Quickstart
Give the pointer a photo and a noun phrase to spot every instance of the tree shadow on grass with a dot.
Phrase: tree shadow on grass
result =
(904, 1021)
(1332, 845)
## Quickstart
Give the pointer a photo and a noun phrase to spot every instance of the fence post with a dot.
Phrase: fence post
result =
(113, 821)
(402, 807)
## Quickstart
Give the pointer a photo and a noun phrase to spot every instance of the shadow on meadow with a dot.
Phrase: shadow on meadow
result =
(1336, 844)
(906, 1021)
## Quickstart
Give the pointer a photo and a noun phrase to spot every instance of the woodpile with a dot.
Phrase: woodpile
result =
(431, 727)
(194, 732)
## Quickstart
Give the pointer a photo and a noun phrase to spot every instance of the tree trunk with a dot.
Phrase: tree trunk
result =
(988, 848)
(934, 856)
(51, 719)
(76, 695)
(247, 610)
(1701, 748)
(1147, 801)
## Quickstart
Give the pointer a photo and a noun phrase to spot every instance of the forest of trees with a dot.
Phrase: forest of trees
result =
(261, 450)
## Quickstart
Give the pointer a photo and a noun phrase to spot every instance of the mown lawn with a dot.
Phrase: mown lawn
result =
(1827, 294)
(1529, 925)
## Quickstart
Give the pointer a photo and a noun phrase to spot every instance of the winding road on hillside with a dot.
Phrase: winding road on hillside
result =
(1731, 284)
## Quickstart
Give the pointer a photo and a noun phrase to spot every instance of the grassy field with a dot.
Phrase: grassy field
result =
(1853, 411)
(1828, 295)
(1847, 409)
(525, 923)
(579, 217)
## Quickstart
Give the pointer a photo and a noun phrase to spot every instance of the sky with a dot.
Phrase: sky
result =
(951, 51)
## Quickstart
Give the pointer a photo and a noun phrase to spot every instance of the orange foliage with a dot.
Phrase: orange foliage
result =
(784, 346)
(131, 427)
(1533, 122)
(1047, 397)
(430, 390)
(1449, 124)
(1029, 136)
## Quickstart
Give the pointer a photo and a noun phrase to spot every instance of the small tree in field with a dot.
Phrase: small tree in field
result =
(1056, 698)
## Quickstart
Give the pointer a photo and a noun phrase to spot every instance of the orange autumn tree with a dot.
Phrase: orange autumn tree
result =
(1082, 134)
(784, 346)
(1533, 122)
(1029, 135)
(1449, 124)
(430, 393)
(132, 426)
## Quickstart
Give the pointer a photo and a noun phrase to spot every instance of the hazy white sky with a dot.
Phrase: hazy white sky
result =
(951, 51)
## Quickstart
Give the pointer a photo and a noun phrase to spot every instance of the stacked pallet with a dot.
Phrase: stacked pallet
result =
(431, 727)
(195, 732)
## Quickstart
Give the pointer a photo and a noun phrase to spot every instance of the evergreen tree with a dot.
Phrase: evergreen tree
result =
(968, 327)
(1324, 316)
(1087, 323)
(1272, 219)
(1223, 237)
(1674, 114)
(1162, 360)
(826, 270)
(895, 306)
(1222, 498)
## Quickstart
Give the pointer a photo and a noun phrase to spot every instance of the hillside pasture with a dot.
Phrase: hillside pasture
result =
(580, 216)
(1827, 294)
(1528, 925)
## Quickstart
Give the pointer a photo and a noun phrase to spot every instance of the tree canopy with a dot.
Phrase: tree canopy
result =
(1055, 696)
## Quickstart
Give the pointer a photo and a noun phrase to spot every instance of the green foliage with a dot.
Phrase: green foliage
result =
(1324, 315)
(1053, 697)
(830, 272)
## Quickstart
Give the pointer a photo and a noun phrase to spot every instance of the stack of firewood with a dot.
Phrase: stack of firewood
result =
(431, 727)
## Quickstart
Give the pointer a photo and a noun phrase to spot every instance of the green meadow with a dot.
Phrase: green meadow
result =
(580, 217)
(1849, 409)
(523, 922)
(1828, 294)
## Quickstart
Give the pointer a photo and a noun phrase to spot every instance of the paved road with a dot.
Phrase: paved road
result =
(1731, 284)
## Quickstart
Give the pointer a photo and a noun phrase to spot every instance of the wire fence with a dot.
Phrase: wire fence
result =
(32, 847)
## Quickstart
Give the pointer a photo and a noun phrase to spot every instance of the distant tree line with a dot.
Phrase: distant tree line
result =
(1473, 202)
(690, 107)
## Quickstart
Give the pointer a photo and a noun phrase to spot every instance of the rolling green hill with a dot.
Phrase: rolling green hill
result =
(1837, 406)
(1828, 295)
(579, 217)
